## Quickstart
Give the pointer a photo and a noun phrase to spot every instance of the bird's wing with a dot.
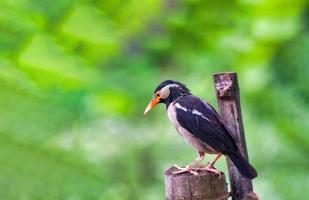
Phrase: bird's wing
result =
(201, 120)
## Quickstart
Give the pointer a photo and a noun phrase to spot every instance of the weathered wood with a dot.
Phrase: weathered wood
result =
(185, 186)
(227, 91)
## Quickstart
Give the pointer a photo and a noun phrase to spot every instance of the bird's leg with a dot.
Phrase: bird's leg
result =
(189, 168)
(210, 166)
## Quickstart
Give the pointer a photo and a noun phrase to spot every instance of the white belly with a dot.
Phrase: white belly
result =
(189, 138)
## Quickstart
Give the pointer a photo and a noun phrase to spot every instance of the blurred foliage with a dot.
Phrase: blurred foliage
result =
(75, 76)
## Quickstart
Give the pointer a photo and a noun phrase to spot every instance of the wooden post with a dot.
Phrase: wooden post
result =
(185, 186)
(227, 91)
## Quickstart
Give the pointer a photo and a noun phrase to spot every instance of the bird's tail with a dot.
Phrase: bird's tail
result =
(243, 165)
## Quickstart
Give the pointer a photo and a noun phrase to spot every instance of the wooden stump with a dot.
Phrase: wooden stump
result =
(185, 186)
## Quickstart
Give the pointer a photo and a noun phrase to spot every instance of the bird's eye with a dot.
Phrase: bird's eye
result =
(157, 94)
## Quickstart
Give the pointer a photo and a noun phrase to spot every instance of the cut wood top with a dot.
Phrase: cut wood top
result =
(186, 186)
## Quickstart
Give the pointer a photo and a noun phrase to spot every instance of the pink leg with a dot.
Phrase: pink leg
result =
(210, 166)
(189, 168)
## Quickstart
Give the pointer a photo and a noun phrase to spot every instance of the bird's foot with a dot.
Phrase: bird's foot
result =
(209, 168)
(188, 168)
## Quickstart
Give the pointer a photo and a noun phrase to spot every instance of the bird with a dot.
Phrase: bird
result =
(201, 126)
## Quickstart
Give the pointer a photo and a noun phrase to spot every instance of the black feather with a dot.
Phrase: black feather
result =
(243, 165)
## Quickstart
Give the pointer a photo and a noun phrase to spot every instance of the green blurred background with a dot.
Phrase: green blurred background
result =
(75, 77)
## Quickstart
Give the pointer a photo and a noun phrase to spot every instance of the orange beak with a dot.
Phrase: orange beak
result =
(152, 104)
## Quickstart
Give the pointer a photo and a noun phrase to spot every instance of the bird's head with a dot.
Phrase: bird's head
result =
(166, 92)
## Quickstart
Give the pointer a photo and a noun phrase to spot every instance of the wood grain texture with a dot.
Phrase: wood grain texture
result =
(185, 186)
(227, 90)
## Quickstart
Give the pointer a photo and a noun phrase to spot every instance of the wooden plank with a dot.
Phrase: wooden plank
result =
(228, 98)
(185, 186)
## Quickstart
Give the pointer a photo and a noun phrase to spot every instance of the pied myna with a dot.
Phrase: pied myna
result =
(201, 126)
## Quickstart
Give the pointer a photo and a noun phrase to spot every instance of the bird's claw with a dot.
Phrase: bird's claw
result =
(185, 169)
(210, 168)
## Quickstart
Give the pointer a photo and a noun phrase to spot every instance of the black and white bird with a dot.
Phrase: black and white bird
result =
(201, 126)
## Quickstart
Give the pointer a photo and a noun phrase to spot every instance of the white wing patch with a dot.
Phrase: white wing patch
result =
(181, 107)
(194, 111)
